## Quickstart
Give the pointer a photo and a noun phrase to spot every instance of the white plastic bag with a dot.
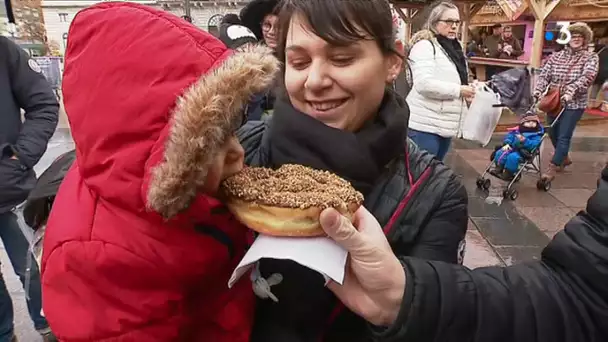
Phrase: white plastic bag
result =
(482, 118)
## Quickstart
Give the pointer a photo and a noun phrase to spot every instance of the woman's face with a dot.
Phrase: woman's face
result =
(448, 23)
(341, 86)
(269, 30)
(576, 41)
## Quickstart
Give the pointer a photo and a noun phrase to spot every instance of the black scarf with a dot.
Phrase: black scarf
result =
(454, 50)
(360, 157)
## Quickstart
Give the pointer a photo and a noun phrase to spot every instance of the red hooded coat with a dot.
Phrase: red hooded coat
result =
(132, 252)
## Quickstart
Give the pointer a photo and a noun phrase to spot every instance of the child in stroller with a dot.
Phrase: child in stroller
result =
(520, 151)
(519, 145)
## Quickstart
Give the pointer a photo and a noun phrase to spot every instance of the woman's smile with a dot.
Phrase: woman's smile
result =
(326, 107)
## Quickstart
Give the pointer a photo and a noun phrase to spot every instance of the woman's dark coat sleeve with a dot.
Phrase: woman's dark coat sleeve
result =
(562, 298)
(443, 235)
(250, 136)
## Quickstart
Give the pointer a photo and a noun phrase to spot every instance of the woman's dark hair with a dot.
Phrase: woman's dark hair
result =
(340, 22)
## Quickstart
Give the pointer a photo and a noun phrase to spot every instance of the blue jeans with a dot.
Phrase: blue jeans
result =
(433, 143)
(17, 248)
(561, 133)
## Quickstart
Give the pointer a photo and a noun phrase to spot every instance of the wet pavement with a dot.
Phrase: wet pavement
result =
(517, 231)
(512, 232)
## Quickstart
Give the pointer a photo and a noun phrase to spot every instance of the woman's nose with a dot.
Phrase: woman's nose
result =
(317, 77)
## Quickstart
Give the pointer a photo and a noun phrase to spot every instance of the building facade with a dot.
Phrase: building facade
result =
(58, 14)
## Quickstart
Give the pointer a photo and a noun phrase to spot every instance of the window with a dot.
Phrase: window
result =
(65, 40)
(213, 25)
(63, 17)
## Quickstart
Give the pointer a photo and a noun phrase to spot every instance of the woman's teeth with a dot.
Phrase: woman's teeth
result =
(325, 106)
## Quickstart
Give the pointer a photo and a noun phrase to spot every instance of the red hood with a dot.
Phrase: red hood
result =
(126, 66)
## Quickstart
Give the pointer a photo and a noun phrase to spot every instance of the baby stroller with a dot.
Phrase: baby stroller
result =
(40, 201)
(514, 87)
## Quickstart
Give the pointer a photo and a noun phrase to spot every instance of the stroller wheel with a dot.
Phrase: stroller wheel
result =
(486, 184)
(511, 194)
(480, 182)
(543, 185)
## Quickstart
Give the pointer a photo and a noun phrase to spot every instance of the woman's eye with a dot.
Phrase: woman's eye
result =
(298, 64)
(342, 60)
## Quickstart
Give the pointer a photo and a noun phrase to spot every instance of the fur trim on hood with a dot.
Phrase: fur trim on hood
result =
(582, 29)
(205, 116)
(422, 35)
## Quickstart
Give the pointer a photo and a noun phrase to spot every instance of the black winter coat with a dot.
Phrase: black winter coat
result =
(420, 201)
(602, 73)
(22, 86)
(561, 298)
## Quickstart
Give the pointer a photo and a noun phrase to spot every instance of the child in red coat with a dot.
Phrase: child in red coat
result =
(136, 247)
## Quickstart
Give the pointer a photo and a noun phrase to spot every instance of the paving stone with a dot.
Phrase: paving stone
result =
(576, 198)
(512, 255)
(478, 252)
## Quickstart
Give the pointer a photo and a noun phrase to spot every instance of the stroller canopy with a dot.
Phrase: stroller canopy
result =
(38, 204)
(513, 86)
(51, 178)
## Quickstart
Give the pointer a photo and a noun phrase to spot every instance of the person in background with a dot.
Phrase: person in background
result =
(562, 297)
(438, 99)
(22, 144)
(338, 112)
(573, 70)
(236, 36)
(492, 41)
(260, 16)
(509, 46)
(493, 49)
(138, 247)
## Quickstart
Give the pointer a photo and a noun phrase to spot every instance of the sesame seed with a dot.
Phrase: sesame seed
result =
(291, 186)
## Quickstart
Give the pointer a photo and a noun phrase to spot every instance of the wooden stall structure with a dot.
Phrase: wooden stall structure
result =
(536, 14)
(539, 13)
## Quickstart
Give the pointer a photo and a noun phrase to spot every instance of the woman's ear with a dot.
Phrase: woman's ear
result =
(395, 62)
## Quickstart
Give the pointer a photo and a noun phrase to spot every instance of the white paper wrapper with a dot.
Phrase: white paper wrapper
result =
(319, 253)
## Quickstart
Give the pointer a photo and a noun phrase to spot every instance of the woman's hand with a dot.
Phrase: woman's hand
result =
(374, 280)
(467, 91)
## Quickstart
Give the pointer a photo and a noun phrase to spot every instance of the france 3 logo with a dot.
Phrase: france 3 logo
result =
(558, 32)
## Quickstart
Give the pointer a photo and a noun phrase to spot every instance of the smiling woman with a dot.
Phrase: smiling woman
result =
(337, 112)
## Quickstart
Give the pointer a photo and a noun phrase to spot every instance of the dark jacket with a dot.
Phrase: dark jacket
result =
(423, 207)
(22, 86)
(562, 298)
(602, 73)
(515, 44)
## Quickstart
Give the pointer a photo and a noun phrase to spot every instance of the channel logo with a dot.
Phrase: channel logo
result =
(560, 34)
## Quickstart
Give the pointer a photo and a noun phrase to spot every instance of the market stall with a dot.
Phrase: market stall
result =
(414, 12)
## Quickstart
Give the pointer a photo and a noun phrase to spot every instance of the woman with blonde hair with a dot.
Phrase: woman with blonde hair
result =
(440, 82)
(572, 70)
